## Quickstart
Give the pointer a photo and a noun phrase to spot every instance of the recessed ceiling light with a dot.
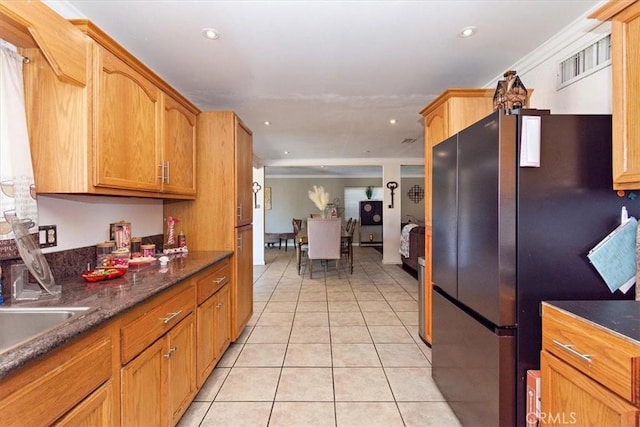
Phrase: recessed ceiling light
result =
(210, 34)
(468, 32)
(286, 152)
(392, 121)
(267, 123)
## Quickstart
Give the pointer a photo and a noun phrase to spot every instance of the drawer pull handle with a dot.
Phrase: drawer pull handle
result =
(166, 320)
(171, 351)
(220, 280)
(569, 348)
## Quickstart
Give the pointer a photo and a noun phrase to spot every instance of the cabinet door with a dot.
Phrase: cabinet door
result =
(181, 369)
(570, 397)
(179, 148)
(222, 333)
(242, 284)
(244, 175)
(126, 122)
(143, 388)
(625, 38)
(205, 344)
(436, 126)
(95, 410)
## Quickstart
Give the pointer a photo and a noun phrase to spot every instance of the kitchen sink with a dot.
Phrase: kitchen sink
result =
(20, 324)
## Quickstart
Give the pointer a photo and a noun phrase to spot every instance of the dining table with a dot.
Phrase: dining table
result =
(346, 238)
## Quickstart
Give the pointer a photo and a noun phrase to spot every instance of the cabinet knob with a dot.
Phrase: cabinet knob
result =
(220, 279)
(171, 351)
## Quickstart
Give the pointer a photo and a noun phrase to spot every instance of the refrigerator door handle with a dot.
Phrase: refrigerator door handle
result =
(569, 348)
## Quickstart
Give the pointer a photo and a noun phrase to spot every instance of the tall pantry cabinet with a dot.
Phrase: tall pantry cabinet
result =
(448, 114)
(220, 218)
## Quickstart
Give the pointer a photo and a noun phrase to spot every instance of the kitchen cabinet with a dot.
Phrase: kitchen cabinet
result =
(625, 56)
(61, 381)
(178, 167)
(126, 121)
(220, 217)
(158, 352)
(589, 374)
(125, 133)
(95, 410)
(213, 317)
(452, 111)
(33, 24)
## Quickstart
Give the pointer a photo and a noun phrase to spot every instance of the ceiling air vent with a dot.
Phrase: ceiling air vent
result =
(408, 141)
(587, 61)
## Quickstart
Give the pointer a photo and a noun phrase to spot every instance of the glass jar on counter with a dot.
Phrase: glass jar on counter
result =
(103, 254)
(120, 258)
(136, 247)
(148, 250)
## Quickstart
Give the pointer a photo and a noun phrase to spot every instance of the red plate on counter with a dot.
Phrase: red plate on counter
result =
(103, 274)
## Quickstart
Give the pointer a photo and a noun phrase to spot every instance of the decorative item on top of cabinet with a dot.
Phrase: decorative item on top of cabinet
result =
(510, 93)
(88, 140)
(448, 114)
(625, 56)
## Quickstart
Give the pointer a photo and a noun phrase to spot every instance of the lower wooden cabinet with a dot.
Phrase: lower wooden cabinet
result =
(95, 410)
(142, 368)
(572, 398)
(49, 388)
(589, 374)
(213, 332)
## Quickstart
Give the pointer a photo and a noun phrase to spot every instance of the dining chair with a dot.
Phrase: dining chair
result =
(297, 226)
(344, 245)
(324, 242)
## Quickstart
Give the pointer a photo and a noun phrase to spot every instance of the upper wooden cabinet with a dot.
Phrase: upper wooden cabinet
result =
(32, 24)
(126, 126)
(448, 114)
(625, 54)
(454, 110)
(126, 133)
(178, 148)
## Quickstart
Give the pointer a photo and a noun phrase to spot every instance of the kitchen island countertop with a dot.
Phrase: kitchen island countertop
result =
(109, 297)
(619, 316)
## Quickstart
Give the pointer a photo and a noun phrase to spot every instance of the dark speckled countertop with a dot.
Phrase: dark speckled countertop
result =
(110, 297)
(621, 317)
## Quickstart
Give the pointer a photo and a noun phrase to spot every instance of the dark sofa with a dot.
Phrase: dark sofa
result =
(416, 249)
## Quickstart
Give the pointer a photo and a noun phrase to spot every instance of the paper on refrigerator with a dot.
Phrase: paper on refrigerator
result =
(615, 256)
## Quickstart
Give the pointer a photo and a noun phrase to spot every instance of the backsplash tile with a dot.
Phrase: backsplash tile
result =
(64, 264)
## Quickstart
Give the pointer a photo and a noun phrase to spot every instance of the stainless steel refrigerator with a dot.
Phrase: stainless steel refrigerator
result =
(506, 237)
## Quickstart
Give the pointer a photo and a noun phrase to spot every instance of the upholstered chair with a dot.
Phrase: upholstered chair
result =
(324, 242)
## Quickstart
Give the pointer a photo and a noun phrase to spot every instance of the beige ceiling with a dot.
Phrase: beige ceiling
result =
(328, 75)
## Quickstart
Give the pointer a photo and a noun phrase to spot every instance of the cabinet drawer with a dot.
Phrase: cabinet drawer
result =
(212, 279)
(609, 359)
(139, 333)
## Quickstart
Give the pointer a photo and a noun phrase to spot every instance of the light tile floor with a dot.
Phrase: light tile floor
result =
(336, 350)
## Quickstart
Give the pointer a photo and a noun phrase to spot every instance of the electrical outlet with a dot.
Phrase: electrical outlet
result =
(48, 235)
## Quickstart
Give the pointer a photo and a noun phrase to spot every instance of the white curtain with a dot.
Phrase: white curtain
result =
(17, 188)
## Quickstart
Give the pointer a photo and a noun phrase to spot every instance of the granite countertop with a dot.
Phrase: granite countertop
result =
(110, 297)
(619, 316)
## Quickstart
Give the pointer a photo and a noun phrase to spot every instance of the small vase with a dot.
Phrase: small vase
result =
(323, 214)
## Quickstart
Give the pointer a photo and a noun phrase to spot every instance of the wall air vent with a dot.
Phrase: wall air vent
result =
(587, 61)
(408, 141)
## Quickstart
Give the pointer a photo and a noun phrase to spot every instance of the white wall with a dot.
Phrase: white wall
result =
(84, 220)
(258, 218)
(538, 71)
